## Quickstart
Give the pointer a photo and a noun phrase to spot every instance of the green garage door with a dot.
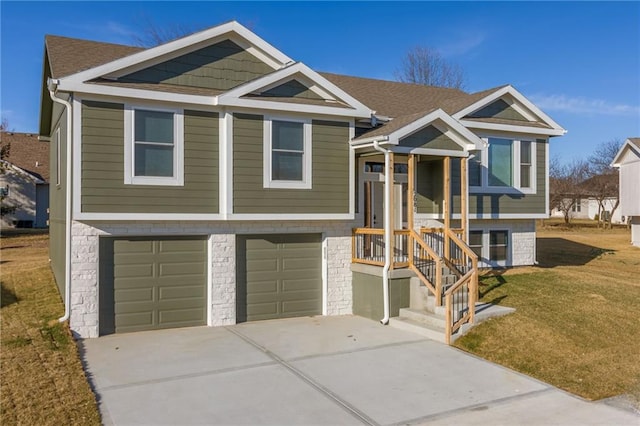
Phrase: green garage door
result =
(279, 276)
(149, 284)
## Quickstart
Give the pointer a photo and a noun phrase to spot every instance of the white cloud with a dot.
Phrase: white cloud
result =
(462, 45)
(582, 105)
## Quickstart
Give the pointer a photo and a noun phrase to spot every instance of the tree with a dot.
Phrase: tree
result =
(5, 149)
(565, 185)
(604, 183)
(425, 65)
(154, 34)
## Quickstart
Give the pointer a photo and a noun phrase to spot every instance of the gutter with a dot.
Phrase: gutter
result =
(52, 85)
(387, 231)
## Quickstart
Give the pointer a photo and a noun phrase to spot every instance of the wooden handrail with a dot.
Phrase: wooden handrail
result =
(422, 244)
(368, 231)
(459, 283)
(462, 245)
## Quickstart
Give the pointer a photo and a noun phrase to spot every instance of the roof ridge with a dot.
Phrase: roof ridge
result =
(460, 91)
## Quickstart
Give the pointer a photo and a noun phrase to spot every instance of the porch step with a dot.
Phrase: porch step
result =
(424, 317)
(407, 324)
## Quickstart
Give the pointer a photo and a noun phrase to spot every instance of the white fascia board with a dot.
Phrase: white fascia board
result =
(182, 43)
(477, 216)
(474, 141)
(147, 216)
(287, 216)
(626, 145)
(428, 151)
(512, 128)
(232, 97)
(125, 92)
(367, 142)
(519, 97)
(290, 107)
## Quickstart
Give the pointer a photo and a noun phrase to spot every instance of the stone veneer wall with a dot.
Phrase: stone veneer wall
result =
(222, 242)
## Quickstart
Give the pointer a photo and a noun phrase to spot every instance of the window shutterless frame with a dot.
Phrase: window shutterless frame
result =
(130, 177)
(273, 149)
(522, 157)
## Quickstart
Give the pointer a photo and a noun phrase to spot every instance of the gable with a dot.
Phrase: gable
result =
(291, 89)
(221, 66)
(430, 137)
(498, 109)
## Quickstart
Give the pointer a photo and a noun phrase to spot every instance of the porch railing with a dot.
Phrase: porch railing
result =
(426, 254)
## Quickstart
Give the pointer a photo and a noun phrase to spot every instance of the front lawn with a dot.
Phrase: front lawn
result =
(41, 377)
(577, 321)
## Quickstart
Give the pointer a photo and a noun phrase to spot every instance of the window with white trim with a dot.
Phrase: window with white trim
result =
(498, 246)
(506, 165)
(491, 245)
(287, 153)
(475, 242)
(154, 146)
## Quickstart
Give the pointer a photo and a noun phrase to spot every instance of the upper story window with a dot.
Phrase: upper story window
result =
(506, 165)
(153, 146)
(287, 153)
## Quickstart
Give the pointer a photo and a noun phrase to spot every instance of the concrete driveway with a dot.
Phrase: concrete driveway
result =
(320, 370)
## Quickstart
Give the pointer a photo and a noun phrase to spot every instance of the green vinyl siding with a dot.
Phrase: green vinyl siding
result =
(430, 138)
(57, 203)
(103, 188)
(292, 89)
(330, 174)
(430, 192)
(221, 66)
(499, 109)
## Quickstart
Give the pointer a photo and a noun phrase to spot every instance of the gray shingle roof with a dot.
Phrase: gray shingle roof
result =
(27, 153)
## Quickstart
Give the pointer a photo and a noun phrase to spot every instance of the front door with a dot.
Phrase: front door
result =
(374, 205)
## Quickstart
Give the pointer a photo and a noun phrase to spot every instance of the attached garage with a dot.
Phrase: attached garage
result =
(152, 283)
(278, 276)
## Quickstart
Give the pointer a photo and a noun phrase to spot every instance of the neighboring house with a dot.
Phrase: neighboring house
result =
(25, 181)
(589, 208)
(213, 180)
(628, 161)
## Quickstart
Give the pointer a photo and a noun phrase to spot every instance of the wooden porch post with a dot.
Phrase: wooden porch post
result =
(464, 194)
(446, 205)
(391, 170)
(411, 177)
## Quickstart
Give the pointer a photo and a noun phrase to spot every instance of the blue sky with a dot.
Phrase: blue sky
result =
(578, 61)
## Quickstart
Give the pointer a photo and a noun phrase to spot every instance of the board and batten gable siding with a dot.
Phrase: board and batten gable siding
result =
(330, 174)
(292, 89)
(499, 109)
(221, 66)
(102, 180)
(57, 202)
(429, 190)
(430, 138)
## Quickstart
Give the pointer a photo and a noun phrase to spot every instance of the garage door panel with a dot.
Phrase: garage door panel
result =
(266, 286)
(279, 276)
(132, 246)
(181, 269)
(183, 292)
(156, 283)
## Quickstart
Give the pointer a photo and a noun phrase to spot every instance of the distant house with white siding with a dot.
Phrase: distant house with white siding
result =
(628, 161)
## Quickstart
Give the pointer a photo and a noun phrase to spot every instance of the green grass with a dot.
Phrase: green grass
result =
(41, 378)
(577, 320)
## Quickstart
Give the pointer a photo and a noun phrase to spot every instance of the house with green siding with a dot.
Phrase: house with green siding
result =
(213, 180)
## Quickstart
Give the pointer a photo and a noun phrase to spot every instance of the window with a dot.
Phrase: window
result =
(576, 205)
(525, 164)
(498, 245)
(287, 153)
(507, 165)
(153, 146)
(475, 242)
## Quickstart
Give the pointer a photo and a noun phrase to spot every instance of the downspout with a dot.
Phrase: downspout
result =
(52, 85)
(387, 232)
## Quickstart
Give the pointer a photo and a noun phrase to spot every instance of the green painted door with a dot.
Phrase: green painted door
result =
(155, 284)
(278, 276)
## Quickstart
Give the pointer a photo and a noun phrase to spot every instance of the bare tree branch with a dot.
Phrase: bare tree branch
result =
(424, 65)
(565, 187)
(154, 34)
